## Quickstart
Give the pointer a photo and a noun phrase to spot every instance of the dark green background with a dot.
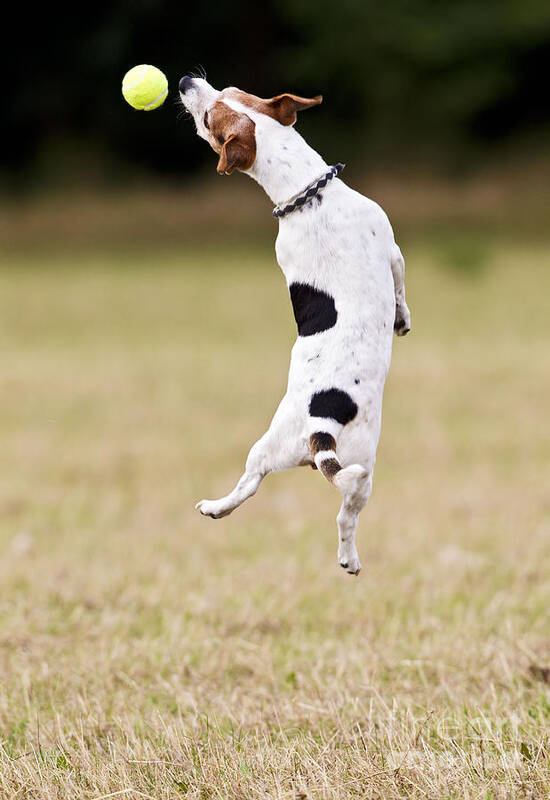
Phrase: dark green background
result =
(419, 80)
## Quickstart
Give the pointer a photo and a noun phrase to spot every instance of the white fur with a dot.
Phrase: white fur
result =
(345, 247)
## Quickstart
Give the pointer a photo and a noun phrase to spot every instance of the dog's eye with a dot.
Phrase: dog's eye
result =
(205, 121)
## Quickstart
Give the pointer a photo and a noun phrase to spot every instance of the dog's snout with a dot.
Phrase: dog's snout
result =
(185, 84)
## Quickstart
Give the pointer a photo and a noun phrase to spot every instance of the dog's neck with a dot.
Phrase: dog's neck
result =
(285, 164)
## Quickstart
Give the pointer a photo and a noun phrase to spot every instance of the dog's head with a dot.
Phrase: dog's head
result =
(230, 120)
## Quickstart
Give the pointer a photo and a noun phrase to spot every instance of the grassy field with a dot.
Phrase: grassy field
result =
(147, 652)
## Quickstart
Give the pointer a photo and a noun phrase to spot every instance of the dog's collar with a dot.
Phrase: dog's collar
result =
(308, 193)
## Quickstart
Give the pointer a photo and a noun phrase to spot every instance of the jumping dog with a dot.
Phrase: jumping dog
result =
(345, 276)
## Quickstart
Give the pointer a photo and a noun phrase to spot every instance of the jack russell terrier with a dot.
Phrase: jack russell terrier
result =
(345, 275)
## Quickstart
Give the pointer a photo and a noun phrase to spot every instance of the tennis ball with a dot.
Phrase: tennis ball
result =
(145, 87)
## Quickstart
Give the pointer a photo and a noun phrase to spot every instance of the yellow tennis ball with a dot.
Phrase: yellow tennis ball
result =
(145, 87)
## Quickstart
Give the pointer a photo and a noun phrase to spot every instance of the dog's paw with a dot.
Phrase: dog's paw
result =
(213, 508)
(348, 558)
(351, 565)
(402, 324)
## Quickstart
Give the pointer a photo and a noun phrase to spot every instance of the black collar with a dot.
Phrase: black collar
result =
(308, 193)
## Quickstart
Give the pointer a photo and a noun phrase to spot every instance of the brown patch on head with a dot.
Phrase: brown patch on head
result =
(233, 137)
(283, 107)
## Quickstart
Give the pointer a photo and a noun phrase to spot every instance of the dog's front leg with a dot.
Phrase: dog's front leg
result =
(402, 324)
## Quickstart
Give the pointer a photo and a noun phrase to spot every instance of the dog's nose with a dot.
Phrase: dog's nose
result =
(185, 83)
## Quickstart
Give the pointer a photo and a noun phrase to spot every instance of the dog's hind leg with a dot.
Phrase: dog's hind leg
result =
(347, 519)
(279, 448)
(247, 486)
(355, 483)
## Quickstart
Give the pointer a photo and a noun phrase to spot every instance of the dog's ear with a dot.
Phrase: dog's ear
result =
(236, 154)
(284, 107)
(235, 133)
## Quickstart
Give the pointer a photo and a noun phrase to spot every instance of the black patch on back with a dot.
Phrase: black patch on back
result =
(321, 441)
(333, 403)
(314, 310)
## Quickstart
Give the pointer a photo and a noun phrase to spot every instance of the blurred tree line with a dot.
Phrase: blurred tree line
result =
(401, 79)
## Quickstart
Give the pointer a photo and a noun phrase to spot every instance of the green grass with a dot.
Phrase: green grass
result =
(147, 652)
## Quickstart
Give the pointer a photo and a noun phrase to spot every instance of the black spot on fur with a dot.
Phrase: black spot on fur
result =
(357, 380)
(330, 467)
(314, 310)
(321, 441)
(334, 404)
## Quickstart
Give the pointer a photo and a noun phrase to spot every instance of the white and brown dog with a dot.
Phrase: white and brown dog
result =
(345, 274)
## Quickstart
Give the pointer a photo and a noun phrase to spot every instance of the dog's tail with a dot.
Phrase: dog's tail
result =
(323, 449)
(346, 479)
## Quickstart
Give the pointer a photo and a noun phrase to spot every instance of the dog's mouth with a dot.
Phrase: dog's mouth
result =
(196, 96)
(187, 92)
(185, 84)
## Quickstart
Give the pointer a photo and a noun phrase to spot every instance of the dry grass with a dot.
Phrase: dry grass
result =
(146, 652)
